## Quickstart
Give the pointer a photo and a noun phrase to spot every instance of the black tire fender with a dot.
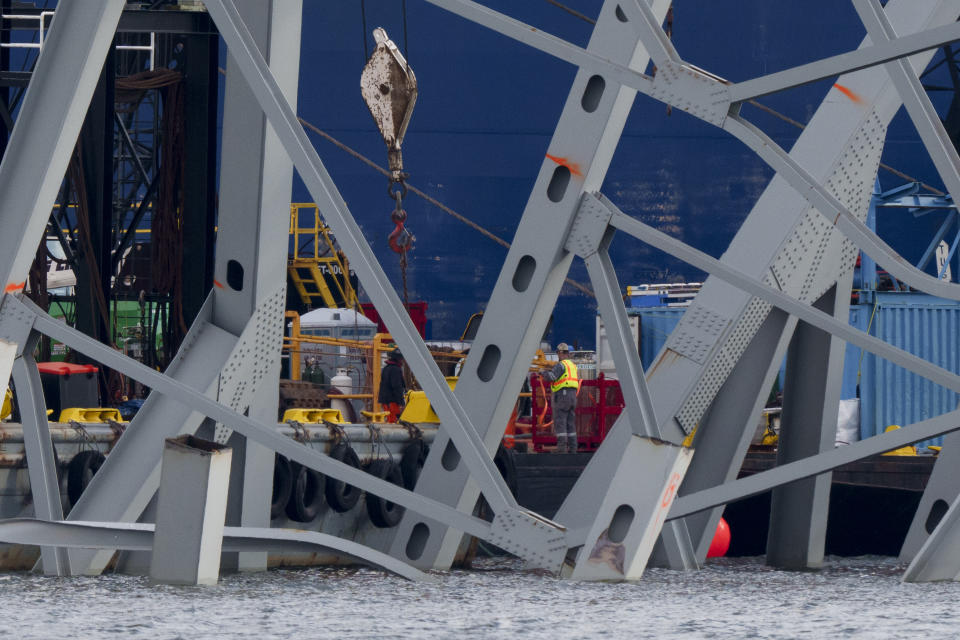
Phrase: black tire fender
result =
(342, 496)
(282, 486)
(80, 472)
(306, 494)
(382, 512)
(411, 463)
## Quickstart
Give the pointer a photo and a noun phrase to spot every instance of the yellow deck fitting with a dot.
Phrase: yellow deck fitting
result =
(97, 414)
(309, 416)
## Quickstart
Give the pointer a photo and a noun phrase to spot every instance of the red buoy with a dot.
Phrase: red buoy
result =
(721, 540)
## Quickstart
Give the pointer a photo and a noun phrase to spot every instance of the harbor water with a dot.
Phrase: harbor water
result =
(730, 598)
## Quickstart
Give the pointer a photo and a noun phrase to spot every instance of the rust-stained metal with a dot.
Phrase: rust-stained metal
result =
(668, 357)
(389, 88)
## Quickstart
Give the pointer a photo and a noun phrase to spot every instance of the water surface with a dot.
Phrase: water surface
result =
(735, 598)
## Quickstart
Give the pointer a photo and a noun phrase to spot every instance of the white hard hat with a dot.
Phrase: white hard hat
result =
(563, 346)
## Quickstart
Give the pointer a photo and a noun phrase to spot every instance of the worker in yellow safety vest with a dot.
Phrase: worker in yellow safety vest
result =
(565, 387)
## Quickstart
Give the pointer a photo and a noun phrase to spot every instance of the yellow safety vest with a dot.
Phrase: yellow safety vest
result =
(569, 377)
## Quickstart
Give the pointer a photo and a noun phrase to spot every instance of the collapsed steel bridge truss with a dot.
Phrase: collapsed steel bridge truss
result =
(780, 289)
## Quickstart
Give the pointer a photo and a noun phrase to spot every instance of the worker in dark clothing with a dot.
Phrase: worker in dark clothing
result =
(565, 387)
(392, 387)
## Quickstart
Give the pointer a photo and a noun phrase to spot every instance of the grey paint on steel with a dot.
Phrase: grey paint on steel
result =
(587, 140)
(139, 537)
(41, 457)
(808, 426)
(530, 532)
(336, 214)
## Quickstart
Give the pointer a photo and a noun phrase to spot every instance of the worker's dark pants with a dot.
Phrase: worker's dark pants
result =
(564, 419)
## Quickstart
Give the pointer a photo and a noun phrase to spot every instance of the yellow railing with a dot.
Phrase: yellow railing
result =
(381, 343)
(314, 251)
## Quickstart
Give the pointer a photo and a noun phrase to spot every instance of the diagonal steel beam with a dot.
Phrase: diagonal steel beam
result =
(45, 134)
(547, 43)
(833, 210)
(792, 306)
(651, 34)
(845, 62)
(532, 275)
(932, 132)
(324, 192)
(760, 482)
(264, 434)
(528, 535)
(41, 456)
(590, 238)
(738, 92)
(939, 557)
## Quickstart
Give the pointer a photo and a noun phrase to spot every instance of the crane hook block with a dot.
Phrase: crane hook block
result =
(389, 88)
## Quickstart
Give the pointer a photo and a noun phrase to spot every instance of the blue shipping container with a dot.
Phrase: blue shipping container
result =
(921, 324)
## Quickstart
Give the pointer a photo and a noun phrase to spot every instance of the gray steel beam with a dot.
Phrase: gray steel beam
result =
(590, 239)
(633, 505)
(268, 436)
(808, 426)
(139, 537)
(44, 136)
(783, 244)
(191, 506)
(925, 118)
(41, 457)
(939, 558)
(728, 427)
(943, 486)
(350, 237)
(256, 178)
(862, 58)
(647, 24)
(530, 281)
(804, 312)
(238, 370)
(129, 477)
(589, 59)
(834, 212)
(826, 461)
(942, 489)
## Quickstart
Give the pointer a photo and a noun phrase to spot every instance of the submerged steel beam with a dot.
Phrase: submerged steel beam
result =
(528, 535)
(133, 536)
(939, 557)
(943, 487)
(41, 456)
(264, 434)
(256, 179)
(808, 426)
(191, 507)
(726, 430)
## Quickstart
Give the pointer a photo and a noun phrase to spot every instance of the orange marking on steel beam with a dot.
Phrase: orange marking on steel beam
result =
(563, 162)
(847, 92)
(671, 490)
(14, 287)
(218, 284)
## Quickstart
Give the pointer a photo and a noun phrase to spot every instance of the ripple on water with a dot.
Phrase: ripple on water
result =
(729, 598)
